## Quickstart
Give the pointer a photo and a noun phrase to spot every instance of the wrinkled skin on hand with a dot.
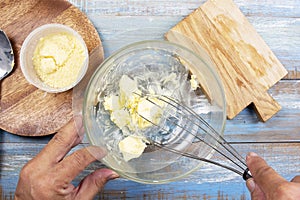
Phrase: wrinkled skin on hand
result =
(49, 174)
(267, 184)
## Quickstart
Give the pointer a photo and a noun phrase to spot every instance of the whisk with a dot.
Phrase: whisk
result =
(182, 117)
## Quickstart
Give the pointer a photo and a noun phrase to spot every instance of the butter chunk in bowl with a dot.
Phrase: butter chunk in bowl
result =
(121, 118)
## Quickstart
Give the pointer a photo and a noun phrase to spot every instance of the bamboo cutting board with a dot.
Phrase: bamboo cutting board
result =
(26, 110)
(245, 63)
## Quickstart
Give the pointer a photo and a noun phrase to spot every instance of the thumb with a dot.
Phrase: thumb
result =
(94, 182)
(256, 193)
(266, 178)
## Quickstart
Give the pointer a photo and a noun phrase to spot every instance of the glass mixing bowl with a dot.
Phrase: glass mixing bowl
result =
(163, 68)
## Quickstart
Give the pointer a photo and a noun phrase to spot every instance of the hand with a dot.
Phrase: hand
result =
(49, 174)
(267, 184)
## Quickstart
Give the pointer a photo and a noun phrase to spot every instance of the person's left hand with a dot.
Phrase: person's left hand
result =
(49, 174)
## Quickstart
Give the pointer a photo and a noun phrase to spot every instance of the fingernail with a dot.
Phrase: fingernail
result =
(113, 175)
(97, 152)
(79, 125)
(250, 184)
(252, 154)
(78, 121)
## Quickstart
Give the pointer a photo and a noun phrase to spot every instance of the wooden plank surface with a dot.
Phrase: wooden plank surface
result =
(277, 140)
(245, 64)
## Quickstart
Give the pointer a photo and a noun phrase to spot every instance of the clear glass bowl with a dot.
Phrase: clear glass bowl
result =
(148, 62)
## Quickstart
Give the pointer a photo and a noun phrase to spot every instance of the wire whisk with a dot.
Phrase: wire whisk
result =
(175, 115)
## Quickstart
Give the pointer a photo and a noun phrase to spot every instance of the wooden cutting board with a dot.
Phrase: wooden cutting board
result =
(245, 63)
(26, 110)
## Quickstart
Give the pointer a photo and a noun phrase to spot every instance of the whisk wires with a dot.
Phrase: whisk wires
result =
(214, 140)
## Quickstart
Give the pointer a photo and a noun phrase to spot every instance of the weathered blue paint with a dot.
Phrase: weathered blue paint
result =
(277, 140)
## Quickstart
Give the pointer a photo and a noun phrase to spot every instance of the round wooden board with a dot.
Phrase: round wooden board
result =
(26, 110)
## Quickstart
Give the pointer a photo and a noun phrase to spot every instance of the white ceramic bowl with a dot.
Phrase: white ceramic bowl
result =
(27, 52)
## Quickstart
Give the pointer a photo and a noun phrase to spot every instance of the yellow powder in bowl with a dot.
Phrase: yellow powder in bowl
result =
(58, 59)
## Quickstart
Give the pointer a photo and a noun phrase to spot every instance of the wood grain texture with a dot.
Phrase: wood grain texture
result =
(277, 23)
(26, 110)
(246, 65)
(275, 20)
(209, 182)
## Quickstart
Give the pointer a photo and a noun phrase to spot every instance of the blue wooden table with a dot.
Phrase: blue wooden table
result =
(278, 140)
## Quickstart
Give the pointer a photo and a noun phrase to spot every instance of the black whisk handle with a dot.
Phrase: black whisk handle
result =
(247, 174)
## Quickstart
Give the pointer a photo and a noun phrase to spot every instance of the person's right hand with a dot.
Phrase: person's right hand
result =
(267, 184)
